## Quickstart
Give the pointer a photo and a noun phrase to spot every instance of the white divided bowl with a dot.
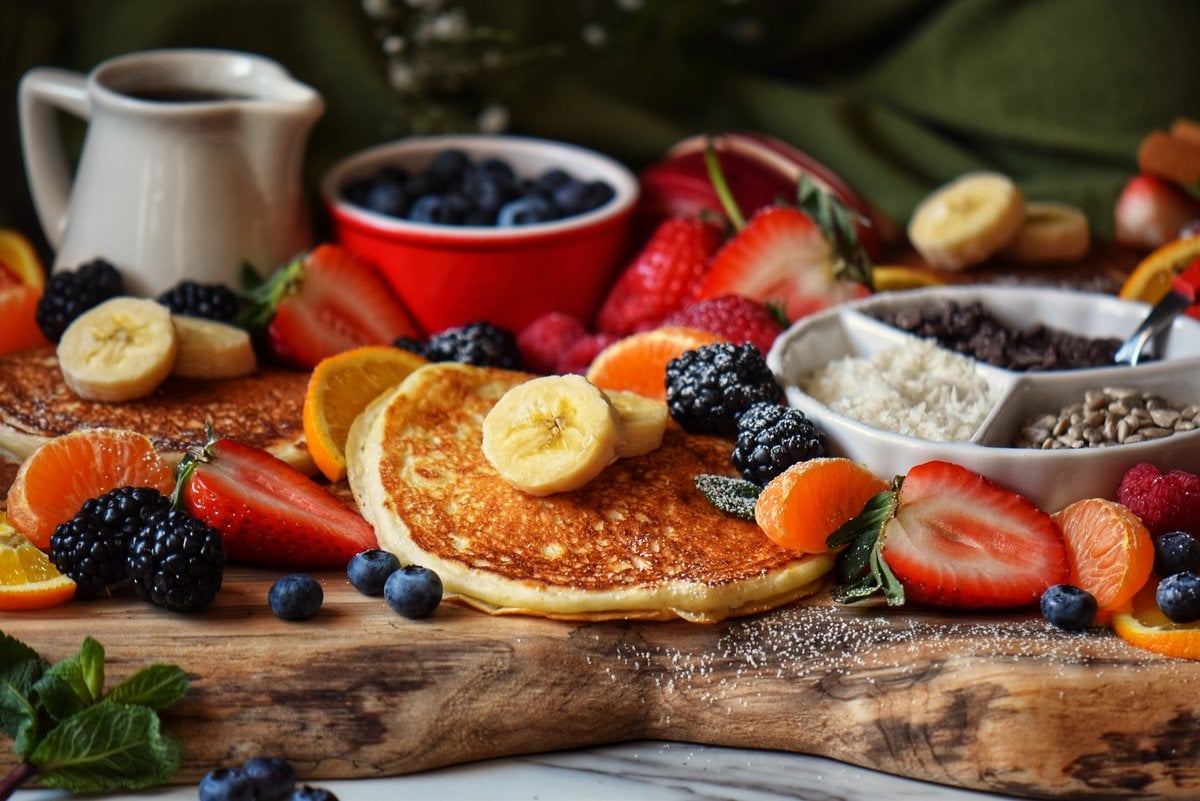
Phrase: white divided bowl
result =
(1050, 478)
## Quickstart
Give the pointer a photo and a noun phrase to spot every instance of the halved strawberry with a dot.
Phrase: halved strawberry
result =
(1150, 212)
(781, 257)
(325, 302)
(269, 513)
(661, 277)
(947, 536)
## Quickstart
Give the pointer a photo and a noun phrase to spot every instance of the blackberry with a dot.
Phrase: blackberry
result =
(176, 561)
(480, 343)
(93, 547)
(410, 344)
(1068, 607)
(771, 438)
(211, 301)
(709, 387)
(69, 294)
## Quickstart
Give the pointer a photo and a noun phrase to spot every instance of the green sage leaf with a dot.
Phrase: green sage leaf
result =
(733, 496)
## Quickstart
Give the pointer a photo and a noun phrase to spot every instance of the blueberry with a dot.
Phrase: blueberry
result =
(272, 778)
(369, 570)
(552, 179)
(386, 197)
(413, 591)
(295, 597)
(527, 209)
(1178, 597)
(486, 191)
(448, 164)
(1175, 552)
(308, 793)
(595, 195)
(447, 209)
(226, 784)
(1068, 607)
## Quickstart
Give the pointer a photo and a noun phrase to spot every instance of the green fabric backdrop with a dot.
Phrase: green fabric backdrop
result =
(896, 95)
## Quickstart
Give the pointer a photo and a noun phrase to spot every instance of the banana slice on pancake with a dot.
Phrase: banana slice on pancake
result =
(209, 349)
(643, 421)
(552, 434)
(967, 221)
(119, 350)
(1051, 232)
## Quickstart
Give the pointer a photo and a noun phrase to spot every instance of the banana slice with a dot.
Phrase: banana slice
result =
(119, 350)
(967, 221)
(643, 420)
(552, 434)
(1051, 232)
(211, 349)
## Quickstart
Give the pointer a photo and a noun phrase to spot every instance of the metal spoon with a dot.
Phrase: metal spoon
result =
(1182, 295)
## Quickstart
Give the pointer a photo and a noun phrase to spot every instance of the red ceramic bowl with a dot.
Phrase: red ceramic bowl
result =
(450, 275)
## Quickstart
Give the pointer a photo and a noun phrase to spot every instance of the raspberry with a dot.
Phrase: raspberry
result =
(546, 338)
(734, 317)
(577, 358)
(1164, 501)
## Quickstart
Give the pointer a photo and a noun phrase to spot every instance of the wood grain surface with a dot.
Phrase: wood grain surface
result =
(1006, 704)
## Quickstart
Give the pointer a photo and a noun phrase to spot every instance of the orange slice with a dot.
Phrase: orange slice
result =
(1143, 625)
(54, 481)
(803, 505)
(18, 326)
(638, 362)
(20, 261)
(28, 579)
(1151, 278)
(886, 277)
(1109, 551)
(339, 388)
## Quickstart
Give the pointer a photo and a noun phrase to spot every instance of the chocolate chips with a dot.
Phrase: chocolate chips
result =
(970, 329)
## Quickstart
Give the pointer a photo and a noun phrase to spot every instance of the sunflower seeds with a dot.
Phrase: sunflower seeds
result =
(1108, 416)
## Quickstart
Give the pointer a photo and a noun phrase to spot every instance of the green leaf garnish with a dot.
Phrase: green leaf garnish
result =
(72, 735)
(837, 221)
(861, 570)
(733, 496)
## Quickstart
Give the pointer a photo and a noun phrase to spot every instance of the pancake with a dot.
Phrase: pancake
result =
(639, 541)
(263, 409)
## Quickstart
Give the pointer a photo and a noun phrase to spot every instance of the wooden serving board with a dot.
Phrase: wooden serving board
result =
(1006, 704)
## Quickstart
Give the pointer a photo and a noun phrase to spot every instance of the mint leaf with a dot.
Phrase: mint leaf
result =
(733, 496)
(156, 686)
(16, 681)
(105, 747)
(74, 683)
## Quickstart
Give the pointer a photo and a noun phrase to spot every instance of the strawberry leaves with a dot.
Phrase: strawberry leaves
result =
(837, 221)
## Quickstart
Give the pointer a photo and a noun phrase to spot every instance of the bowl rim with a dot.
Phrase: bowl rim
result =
(625, 187)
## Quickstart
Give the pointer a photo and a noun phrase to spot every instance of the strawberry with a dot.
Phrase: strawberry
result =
(947, 536)
(661, 276)
(1165, 502)
(326, 302)
(781, 256)
(737, 318)
(269, 513)
(1150, 212)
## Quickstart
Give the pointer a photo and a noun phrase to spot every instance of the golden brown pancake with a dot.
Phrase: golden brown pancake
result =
(639, 541)
(264, 409)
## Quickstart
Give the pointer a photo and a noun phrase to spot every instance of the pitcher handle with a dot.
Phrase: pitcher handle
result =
(43, 90)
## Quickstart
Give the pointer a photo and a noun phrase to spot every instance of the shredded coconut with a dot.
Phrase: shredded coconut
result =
(919, 390)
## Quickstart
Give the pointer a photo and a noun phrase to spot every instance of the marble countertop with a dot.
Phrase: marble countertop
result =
(660, 770)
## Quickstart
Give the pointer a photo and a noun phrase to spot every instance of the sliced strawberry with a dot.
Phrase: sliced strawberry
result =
(661, 277)
(327, 302)
(781, 257)
(947, 536)
(1150, 212)
(269, 513)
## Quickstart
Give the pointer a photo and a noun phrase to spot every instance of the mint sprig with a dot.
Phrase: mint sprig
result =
(860, 568)
(74, 736)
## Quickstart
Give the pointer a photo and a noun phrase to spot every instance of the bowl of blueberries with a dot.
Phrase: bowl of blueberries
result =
(479, 227)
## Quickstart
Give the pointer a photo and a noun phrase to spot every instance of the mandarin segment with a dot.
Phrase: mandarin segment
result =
(54, 481)
(1109, 551)
(802, 506)
(339, 388)
(638, 363)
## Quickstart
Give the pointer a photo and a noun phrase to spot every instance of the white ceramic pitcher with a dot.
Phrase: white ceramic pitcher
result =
(191, 164)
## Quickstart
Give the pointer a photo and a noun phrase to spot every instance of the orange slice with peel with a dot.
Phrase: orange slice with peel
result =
(638, 362)
(339, 388)
(54, 481)
(1142, 624)
(803, 505)
(28, 579)
(1151, 279)
(20, 260)
(1109, 551)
